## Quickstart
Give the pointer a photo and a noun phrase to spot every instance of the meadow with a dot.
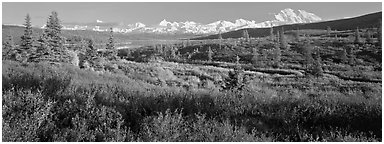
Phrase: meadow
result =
(165, 100)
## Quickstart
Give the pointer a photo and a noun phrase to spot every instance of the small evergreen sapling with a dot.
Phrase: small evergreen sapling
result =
(357, 36)
(329, 31)
(283, 41)
(277, 58)
(368, 36)
(317, 68)
(235, 80)
(210, 53)
(271, 35)
(343, 56)
(379, 33)
(255, 57)
(246, 35)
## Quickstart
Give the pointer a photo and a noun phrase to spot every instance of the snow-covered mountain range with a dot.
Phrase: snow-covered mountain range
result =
(286, 16)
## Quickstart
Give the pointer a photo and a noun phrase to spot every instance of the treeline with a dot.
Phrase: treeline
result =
(51, 46)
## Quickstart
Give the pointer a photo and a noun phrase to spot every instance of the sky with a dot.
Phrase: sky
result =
(151, 13)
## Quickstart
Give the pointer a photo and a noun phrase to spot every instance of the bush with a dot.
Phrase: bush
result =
(113, 107)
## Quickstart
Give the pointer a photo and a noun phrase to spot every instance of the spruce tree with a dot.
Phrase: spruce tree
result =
(283, 42)
(368, 36)
(350, 55)
(328, 31)
(379, 33)
(277, 58)
(317, 69)
(189, 42)
(220, 40)
(53, 31)
(238, 74)
(255, 57)
(343, 56)
(111, 52)
(246, 35)
(128, 53)
(296, 35)
(26, 46)
(307, 53)
(357, 36)
(54, 41)
(110, 43)
(42, 52)
(235, 80)
(173, 52)
(8, 50)
(271, 35)
(210, 54)
(219, 36)
(91, 51)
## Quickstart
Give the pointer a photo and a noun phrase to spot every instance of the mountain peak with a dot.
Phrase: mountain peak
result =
(285, 16)
(139, 24)
(164, 23)
(289, 16)
(310, 16)
(287, 10)
(241, 22)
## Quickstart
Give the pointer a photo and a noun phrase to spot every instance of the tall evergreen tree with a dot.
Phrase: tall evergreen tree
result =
(111, 42)
(91, 51)
(111, 52)
(26, 45)
(42, 52)
(53, 31)
(57, 52)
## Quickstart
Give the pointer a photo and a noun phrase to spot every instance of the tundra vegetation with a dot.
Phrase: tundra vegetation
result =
(289, 86)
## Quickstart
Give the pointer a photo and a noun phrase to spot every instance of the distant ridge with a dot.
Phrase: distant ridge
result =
(364, 21)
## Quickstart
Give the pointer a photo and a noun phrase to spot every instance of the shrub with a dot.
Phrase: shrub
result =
(114, 107)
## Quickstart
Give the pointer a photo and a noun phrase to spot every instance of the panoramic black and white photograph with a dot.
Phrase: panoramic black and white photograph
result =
(192, 71)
